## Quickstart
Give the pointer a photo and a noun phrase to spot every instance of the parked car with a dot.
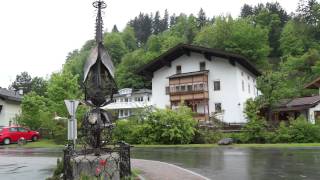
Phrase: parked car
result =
(11, 134)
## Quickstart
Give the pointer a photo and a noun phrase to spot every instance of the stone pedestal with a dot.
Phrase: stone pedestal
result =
(105, 166)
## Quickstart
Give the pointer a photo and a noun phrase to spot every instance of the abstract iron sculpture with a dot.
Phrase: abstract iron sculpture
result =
(99, 88)
(97, 125)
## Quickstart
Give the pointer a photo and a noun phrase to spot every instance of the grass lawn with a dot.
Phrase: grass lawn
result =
(42, 143)
(46, 143)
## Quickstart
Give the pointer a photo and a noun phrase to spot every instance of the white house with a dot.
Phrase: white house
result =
(210, 81)
(9, 106)
(127, 101)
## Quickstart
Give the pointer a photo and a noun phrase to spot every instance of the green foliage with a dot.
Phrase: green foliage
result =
(238, 36)
(160, 126)
(301, 131)
(206, 136)
(33, 107)
(255, 129)
(126, 71)
(115, 46)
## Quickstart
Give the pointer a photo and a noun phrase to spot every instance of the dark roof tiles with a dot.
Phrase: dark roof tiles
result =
(10, 95)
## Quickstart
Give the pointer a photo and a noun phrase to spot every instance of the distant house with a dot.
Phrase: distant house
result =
(210, 81)
(9, 105)
(309, 107)
(127, 101)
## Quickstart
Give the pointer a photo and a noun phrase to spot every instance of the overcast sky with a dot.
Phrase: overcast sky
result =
(36, 35)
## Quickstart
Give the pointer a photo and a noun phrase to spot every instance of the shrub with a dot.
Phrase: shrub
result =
(162, 126)
(206, 136)
(281, 135)
(301, 131)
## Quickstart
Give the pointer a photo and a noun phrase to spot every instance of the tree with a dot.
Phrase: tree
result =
(246, 11)
(295, 39)
(156, 23)
(39, 85)
(309, 11)
(201, 19)
(142, 26)
(129, 39)
(61, 86)
(126, 75)
(238, 36)
(115, 29)
(165, 21)
(32, 106)
(23, 81)
(173, 20)
(115, 46)
(273, 88)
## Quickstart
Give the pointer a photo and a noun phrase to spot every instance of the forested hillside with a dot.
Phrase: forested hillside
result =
(274, 40)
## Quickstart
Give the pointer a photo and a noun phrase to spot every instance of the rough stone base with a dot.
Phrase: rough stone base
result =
(94, 166)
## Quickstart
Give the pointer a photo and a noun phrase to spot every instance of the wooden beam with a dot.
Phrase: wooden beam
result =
(207, 56)
(232, 62)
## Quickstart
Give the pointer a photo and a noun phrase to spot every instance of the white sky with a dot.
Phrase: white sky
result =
(36, 35)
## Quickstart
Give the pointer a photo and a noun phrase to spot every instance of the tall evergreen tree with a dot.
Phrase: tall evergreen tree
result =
(142, 26)
(246, 11)
(165, 21)
(201, 19)
(156, 23)
(115, 29)
(173, 20)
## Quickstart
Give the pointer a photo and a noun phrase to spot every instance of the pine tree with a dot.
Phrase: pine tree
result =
(165, 21)
(202, 19)
(156, 23)
(115, 29)
(246, 11)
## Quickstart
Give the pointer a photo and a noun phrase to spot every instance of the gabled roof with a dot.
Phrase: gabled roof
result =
(10, 95)
(298, 103)
(166, 58)
(314, 84)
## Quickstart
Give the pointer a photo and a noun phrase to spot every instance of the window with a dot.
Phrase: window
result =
(217, 107)
(22, 129)
(216, 85)
(241, 73)
(249, 88)
(13, 129)
(242, 85)
(167, 90)
(202, 66)
(183, 88)
(120, 113)
(189, 87)
(248, 77)
(125, 99)
(178, 69)
(177, 88)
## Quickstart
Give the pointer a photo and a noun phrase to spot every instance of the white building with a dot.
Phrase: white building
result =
(127, 101)
(212, 82)
(9, 106)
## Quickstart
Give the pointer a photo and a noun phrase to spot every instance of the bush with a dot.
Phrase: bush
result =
(206, 136)
(281, 135)
(162, 126)
(301, 131)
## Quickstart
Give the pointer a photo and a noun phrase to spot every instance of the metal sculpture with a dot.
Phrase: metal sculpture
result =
(96, 128)
(99, 88)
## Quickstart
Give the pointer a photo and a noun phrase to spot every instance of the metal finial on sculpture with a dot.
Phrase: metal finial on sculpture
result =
(99, 22)
(99, 70)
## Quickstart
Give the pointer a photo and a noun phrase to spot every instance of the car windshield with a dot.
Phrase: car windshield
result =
(1, 129)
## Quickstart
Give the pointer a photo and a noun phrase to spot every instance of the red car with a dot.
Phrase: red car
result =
(10, 134)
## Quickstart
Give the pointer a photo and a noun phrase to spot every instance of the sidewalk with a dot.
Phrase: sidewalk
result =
(156, 170)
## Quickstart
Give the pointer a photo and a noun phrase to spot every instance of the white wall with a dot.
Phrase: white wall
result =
(311, 111)
(9, 111)
(230, 96)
